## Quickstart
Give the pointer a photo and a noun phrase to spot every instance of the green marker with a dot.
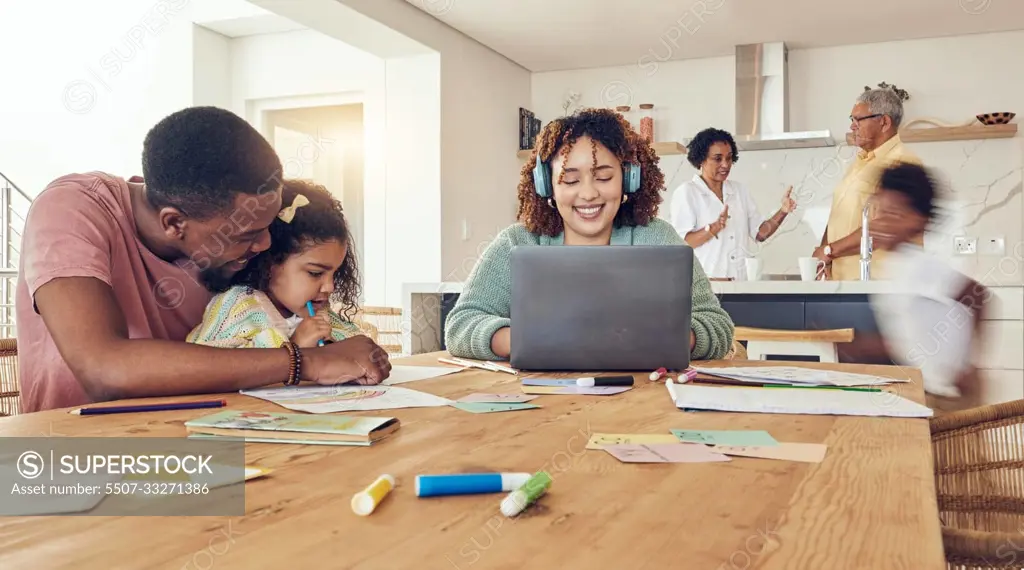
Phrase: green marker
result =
(517, 501)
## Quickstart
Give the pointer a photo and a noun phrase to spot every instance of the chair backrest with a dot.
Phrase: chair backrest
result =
(10, 389)
(388, 321)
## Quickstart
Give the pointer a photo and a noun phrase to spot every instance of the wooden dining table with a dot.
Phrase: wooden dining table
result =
(870, 504)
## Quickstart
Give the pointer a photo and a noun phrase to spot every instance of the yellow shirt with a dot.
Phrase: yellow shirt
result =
(849, 199)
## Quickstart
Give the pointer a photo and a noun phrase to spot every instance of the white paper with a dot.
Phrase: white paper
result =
(817, 402)
(401, 374)
(327, 399)
(797, 375)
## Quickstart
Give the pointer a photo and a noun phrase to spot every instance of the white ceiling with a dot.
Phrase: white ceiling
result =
(548, 35)
(252, 25)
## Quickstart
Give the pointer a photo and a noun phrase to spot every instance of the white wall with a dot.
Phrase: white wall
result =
(963, 77)
(81, 91)
(211, 70)
(412, 231)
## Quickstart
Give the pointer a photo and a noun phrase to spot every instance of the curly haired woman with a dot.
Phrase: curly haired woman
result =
(586, 152)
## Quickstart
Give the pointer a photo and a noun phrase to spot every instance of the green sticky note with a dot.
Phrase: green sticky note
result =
(487, 407)
(725, 437)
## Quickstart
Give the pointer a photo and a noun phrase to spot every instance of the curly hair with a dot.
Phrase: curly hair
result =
(320, 221)
(614, 132)
(698, 149)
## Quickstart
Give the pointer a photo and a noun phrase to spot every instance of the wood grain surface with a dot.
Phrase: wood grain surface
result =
(869, 505)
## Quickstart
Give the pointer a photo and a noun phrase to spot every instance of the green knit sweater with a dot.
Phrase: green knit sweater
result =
(485, 303)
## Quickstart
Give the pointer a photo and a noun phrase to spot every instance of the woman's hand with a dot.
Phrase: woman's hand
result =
(788, 204)
(501, 342)
(312, 330)
(719, 224)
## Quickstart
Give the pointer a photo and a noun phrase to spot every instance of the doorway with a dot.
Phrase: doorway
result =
(324, 145)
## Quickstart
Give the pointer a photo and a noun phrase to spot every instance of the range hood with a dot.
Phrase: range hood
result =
(762, 101)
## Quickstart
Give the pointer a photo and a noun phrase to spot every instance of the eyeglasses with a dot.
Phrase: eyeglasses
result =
(865, 117)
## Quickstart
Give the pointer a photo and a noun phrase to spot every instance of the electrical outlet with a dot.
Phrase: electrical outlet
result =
(992, 246)
(964, 245)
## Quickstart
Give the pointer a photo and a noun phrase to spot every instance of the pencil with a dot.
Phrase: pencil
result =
(845, 388)
(149, 408)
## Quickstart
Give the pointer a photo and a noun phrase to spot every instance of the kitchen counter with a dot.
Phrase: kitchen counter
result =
(785, 304)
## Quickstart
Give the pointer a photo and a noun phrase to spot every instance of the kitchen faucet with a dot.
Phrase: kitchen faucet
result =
(865, 244)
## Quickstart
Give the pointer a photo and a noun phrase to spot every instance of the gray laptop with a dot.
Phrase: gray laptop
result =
(597, 308)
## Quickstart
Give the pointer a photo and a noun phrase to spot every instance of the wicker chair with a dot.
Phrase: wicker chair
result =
(979, 479)
(9, 387)
(388, 324)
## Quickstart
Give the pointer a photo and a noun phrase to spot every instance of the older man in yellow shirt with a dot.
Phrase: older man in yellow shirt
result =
(875, 122)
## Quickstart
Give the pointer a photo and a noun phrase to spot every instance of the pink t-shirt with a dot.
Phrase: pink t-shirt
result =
(82, 225)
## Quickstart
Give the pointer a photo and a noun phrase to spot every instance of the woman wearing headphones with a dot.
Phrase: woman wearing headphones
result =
(598, 184)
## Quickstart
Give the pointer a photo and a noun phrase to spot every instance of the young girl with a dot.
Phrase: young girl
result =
(309, 260)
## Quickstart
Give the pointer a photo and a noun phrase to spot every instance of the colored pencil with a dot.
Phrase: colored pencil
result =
(149, 408)
(845, 388)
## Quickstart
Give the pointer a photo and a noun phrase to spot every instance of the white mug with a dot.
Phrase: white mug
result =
(809, 268)
(753, 269)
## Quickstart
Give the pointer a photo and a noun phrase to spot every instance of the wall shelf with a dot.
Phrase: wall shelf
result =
(937, 134)
(660, 148)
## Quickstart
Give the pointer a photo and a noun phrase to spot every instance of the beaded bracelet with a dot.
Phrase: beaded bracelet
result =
(295, 364)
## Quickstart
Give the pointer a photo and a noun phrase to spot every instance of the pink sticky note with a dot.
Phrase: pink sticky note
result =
(496, 398)
(664, 453)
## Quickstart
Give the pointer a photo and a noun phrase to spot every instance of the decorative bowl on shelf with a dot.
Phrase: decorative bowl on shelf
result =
(996, 118)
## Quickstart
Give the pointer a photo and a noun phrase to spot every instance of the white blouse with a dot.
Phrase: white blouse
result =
(693, 206)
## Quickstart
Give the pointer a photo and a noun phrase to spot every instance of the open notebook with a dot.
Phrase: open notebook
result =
(816, 402)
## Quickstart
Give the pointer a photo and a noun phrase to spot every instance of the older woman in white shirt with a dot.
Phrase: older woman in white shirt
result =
(717, 216)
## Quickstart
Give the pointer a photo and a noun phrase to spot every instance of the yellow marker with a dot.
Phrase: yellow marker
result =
(365, 501)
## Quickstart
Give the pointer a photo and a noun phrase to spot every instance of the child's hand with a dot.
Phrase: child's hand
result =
(312, 330)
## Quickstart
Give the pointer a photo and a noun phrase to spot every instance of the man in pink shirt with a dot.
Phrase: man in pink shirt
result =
(115, 273)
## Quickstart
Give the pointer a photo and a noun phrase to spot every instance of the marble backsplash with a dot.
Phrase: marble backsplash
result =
(981, 182)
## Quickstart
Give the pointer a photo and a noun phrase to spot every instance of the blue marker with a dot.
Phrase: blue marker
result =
(312, 313)
(469, 483)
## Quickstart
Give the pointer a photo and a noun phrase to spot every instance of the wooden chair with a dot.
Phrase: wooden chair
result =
(979, 481)
(10, 390)
(737, 352)
(388, 324)
(762, 342)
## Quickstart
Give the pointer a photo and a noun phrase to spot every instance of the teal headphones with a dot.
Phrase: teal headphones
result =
(545, 189)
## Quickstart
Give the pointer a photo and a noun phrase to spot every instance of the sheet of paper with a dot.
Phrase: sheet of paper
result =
(488, 407)
(665, 453)
(815, 402)
(345, 398)
(805, 452)
(401, 373)
(797, 375)
(496, 398)
(600, 440)
(576, 390)
(725, 437)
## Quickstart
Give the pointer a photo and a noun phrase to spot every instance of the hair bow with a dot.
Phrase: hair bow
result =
(288, 214)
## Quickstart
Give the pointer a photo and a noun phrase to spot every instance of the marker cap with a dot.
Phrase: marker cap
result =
(366, 501)
(517, 501)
